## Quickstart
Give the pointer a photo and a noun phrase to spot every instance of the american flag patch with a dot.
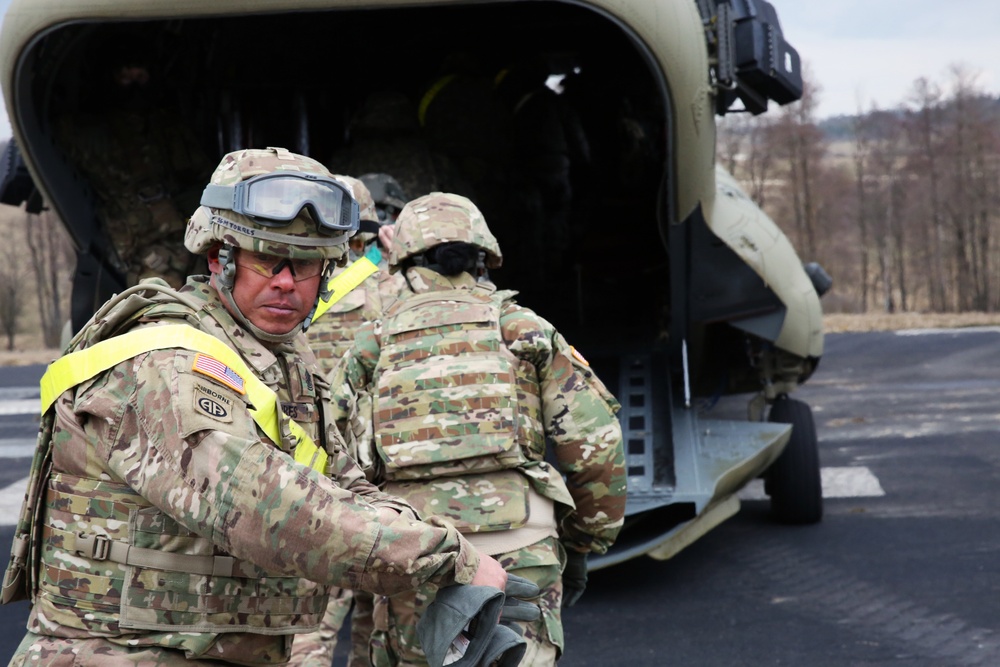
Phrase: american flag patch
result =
(218, 371)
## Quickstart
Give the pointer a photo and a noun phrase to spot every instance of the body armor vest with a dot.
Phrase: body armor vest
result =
(111, 564)
(455, 416)
(331, 334)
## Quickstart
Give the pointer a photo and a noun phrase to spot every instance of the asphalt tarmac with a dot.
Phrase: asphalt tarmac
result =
(903, 570)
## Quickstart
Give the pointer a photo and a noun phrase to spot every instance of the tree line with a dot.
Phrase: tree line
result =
(37, 261)
(901, 206)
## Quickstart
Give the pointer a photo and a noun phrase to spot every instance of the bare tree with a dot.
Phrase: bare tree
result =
(47, 245)
(803, 149)
(12, 291)
(968, 140)
(746, 151)
(911, 216)
(730, 143)
(862, 130)
(924, 166)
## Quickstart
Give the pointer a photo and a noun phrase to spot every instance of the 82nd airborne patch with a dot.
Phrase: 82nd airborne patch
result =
(212, 403)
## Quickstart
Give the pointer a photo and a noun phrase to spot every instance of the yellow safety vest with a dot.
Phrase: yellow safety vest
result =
(76, 367)
(344, 282)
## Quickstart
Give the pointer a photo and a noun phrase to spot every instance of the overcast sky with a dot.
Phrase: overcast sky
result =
(869, 52)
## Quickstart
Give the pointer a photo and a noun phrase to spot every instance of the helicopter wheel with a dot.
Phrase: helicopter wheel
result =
(793, 480)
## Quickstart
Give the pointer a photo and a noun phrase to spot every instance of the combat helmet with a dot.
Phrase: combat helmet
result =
(386, 191)
(275, 202)
(439, 218)
(368, 224)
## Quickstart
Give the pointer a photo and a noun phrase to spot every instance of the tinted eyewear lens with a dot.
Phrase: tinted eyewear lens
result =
(271, 265)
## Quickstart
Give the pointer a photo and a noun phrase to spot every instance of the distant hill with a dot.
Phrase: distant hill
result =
(840, 128)
(837, 128)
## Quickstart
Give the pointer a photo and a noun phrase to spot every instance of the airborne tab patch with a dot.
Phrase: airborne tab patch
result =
(218, 371)
(211, 403)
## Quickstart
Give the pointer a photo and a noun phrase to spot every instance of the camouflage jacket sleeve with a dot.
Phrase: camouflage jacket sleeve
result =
(352, 401)
(579, 417)
(213, 474)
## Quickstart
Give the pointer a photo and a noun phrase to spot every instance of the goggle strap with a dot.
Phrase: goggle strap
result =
(286, 239)
(369, 226)
(218, 196)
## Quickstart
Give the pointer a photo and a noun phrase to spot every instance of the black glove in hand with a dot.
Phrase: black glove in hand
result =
(505, 648)
(461, 617)
(516, 606)
(574, 577)
(464, 620)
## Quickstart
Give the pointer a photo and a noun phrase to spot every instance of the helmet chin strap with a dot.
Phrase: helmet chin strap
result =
(324, 292)
(225, 281)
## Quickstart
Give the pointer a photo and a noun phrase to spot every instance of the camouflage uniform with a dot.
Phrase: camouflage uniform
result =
(147, 172)
(467, 386)
(173, 530)
(329, 337)
(332, 334)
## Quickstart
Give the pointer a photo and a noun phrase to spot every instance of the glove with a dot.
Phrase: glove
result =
(515, 605)
(505, 648)
(458, 625)
(574, 577)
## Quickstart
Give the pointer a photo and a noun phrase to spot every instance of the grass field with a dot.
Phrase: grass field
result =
(842, 322)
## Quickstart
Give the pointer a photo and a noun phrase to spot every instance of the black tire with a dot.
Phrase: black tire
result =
(793, 480)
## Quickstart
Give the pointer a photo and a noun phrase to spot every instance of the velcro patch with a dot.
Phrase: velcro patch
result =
(212, 403)
(218, 371)
(578, 356)
(301, 412)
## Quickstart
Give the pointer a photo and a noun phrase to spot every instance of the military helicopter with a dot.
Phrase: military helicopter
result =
(584, 129)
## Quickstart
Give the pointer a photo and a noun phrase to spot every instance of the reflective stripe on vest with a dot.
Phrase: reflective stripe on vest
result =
(344, 282)
(76, 367)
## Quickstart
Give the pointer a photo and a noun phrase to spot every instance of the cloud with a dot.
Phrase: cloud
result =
(853, 73)
(873, 51)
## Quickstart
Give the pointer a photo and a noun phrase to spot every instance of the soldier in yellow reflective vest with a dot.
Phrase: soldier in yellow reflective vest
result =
(190, 499)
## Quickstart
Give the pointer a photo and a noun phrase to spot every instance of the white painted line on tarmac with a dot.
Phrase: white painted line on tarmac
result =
(932, 332)
(849, 482)
(17, 448)
(11, 499)
(26, 406)
(20, 401)
(12, 393)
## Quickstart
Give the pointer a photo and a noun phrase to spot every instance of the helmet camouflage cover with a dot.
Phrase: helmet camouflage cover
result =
(366, 203)
(385, 189)
(299, 239)
(441, 218)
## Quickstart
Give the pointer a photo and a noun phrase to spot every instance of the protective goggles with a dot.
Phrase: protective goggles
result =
(275, 199)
